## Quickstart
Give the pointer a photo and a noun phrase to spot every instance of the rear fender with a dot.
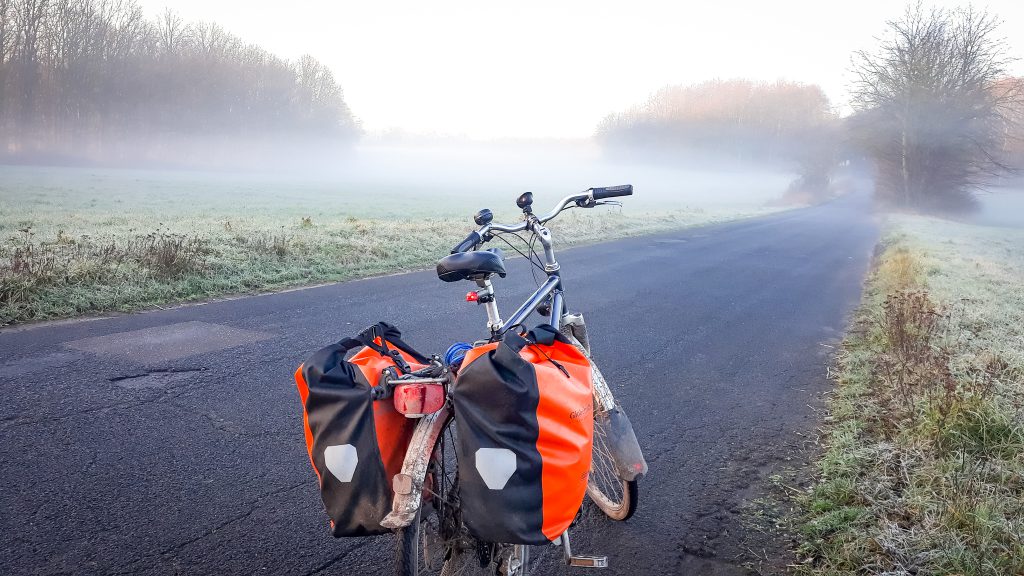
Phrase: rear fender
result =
(408, 486)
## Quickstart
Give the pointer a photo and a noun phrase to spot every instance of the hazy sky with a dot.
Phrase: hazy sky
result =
(554, 68)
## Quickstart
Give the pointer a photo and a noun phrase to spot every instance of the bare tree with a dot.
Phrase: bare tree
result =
(170, 31)
(29, 18)
(7, 32)
(928, 110)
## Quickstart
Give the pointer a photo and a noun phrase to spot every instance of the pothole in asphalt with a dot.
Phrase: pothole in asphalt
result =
(169, 342)
(154, 378)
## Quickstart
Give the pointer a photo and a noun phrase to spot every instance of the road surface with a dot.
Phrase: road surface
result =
(170, 441)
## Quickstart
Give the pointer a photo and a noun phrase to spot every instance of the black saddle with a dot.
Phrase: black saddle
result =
(474, 265)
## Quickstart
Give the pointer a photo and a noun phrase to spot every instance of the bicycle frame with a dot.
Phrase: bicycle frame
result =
(408, 486)
(551, 288)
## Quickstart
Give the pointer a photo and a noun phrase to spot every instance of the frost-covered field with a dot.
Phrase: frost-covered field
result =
(78, 240)
(978, 270)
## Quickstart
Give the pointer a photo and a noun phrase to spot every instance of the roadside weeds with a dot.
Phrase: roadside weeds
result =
(922, 470)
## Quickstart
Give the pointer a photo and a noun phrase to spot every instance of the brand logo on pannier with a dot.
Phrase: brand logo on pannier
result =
(496, 466)
(341, 461)
(581, 411)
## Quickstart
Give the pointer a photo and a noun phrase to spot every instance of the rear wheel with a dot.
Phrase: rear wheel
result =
(422, 546)
(437, 542)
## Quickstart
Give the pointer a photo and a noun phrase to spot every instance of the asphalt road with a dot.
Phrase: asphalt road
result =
(170, 441)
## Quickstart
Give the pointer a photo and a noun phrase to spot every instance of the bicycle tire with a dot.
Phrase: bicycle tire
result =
(616, 497)
(422, 548)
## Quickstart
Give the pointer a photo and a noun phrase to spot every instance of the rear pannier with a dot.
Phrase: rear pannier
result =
(356, 445)
(524, 423)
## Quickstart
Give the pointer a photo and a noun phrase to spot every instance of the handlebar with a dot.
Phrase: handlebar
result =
(612, 191)
(585, 199)
(470, 243)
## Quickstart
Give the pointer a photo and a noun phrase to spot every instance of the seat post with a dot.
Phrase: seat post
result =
(490, 302)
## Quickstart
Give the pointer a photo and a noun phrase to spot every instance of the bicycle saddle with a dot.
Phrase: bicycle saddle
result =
(474, 265)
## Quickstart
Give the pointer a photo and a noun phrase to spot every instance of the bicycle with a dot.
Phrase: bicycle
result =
(432, 538)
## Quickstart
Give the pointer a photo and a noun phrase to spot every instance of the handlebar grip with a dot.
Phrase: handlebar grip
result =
(612, 191)
(469, 243)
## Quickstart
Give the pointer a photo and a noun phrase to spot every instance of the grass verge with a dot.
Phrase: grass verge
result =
(923, 464)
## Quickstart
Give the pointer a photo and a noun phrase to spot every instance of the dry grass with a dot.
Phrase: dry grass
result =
(923, 470)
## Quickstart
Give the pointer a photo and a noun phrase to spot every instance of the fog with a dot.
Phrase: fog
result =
(498, 172)
(132, 85)
(1001, 205)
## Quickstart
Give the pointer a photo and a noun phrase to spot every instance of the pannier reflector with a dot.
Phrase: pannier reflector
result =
(496, 466)
(417, 400)
(341, 461)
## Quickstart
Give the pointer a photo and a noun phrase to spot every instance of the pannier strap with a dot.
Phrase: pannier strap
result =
(545, 335)
(387, 333)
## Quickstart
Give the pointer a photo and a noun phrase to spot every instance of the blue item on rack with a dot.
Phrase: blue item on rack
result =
(456, 352)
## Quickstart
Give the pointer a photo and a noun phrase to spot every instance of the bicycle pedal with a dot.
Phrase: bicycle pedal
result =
(588, 561)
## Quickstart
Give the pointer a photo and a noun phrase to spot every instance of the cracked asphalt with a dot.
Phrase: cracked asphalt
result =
(170, 442)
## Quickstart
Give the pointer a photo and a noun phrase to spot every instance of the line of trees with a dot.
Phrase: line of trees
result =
(740, 119)
(95, 80)
(935, 109)
(780, 123)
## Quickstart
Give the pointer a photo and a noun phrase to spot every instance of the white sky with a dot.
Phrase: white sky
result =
(554, 68)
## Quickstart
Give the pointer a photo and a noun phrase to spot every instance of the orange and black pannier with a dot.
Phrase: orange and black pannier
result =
(356, 445)
(524, 422)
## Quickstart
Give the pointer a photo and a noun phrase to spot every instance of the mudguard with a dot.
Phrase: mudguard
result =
(622, 442)
(621, 439)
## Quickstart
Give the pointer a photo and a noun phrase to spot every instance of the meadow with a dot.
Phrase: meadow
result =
(77, 240)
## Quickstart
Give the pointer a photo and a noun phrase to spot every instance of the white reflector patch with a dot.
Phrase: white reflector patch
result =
(496, 466)
(341, 461)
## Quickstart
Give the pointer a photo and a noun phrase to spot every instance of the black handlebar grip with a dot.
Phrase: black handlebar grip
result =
(469, 243)
(612, 191)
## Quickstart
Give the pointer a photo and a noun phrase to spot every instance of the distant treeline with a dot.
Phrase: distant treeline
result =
(739, 119)
(94, 80)
(936, 116)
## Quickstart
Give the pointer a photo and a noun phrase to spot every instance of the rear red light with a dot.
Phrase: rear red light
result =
(416, 400)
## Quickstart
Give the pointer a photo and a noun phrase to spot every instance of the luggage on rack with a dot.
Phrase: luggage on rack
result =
(356, 445)
(524, 424)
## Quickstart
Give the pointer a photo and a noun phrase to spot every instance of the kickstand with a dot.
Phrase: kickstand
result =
(580, 561)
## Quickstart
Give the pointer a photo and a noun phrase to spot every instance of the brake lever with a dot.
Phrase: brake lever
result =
(587, 203)
(608, 203)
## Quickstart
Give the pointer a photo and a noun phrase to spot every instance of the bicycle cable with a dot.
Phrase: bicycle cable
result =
(533, 253)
